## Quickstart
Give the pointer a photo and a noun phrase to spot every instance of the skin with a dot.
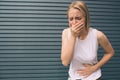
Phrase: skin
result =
(76, 24)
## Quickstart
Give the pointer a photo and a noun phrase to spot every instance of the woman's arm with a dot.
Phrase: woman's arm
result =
(106, 45)
(67, 47)
(109, 52)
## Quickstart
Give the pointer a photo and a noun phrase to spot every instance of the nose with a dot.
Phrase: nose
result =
(74, 21)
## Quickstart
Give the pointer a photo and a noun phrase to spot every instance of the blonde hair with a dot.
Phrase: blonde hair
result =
(81, 6)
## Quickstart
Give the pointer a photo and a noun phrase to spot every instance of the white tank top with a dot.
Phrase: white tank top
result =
(85, 51)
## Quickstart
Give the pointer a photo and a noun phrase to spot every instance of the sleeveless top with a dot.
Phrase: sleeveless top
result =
(85, 52)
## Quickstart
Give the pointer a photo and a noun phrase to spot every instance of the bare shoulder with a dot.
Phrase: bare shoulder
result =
(100, 34)
(65, 32)
(102, 39)
(104, 42)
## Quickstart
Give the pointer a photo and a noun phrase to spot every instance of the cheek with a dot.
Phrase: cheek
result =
(84, 22)
(70, 24)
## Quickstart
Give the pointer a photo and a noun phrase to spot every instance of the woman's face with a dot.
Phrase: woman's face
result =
(75, 16)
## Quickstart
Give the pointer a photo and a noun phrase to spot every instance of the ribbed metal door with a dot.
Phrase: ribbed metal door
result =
(105, 16)
(30, 37)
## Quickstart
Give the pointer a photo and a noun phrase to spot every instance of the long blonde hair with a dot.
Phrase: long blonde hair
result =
(81, 6)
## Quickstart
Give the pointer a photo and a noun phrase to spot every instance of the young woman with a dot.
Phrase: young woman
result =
(80, 45)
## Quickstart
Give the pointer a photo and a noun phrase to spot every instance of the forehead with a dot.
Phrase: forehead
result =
(74, 12)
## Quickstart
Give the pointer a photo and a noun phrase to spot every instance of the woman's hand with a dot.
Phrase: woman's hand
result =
(87, 71)
(76, 29)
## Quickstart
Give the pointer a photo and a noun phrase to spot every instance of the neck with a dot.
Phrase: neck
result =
(83, 34)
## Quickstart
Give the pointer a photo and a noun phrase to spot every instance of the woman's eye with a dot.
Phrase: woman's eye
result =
(78, 18)
(70, 19)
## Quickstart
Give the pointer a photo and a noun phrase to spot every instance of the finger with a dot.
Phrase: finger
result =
(80, 28)
(72, 30)
(86, 76)
(83, 74)
(77, 25)
(86, 65)
(80, 70)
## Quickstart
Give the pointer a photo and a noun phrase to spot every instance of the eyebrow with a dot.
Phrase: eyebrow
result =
(76, 16)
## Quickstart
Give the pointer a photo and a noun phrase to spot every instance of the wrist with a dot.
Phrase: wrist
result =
(96, 67)
(73, 34)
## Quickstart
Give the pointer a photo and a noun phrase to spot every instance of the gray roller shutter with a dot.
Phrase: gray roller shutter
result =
(105, 16)
(30, 37)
